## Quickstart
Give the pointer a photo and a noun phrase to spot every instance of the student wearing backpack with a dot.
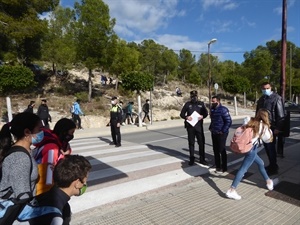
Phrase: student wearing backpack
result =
(76, 114)
(196, 130)
(261, 131)
(56, 141)
(18, 169)
(219, 127)
(70, 179)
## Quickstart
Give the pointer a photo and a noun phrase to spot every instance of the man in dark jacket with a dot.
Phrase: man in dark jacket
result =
(219, 127)
(43, 113)
(30, 107)
(115, 122)
(193, 112)
(274, 104)
(146, 109)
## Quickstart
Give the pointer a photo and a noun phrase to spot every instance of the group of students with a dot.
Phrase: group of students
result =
(37, 166)
(267, 122)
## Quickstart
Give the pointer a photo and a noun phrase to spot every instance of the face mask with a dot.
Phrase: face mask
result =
(39, 137)
(214, 105)
(267, 92)
(82, 190)
(112, 102)
(194, 99)
(69, 137)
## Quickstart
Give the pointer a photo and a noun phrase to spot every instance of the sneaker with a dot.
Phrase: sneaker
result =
(270, 185)
(233, 195)
(143, 123)
(219, 171)
(132, 123)
(123, 124)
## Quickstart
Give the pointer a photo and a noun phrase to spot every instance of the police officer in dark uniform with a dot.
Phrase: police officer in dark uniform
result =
(197, 130)
(115, 122)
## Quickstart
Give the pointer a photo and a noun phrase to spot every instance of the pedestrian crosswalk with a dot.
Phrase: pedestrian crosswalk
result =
(119, 173)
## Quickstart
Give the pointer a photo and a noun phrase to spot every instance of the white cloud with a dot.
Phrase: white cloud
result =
(218, 26)
(278, 10)
(143, 16)
(245, 21)
(222, 4)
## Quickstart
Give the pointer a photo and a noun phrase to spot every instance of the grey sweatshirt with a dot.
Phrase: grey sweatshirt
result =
(16, 173)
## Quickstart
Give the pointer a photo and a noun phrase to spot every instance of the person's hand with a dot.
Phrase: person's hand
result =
(200, 117)
(189, 118)
(118, 124)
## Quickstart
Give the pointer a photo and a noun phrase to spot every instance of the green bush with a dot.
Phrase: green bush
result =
(16, 79)
(83, 96)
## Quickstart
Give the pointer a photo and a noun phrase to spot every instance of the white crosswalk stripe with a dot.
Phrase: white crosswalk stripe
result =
(141, 170)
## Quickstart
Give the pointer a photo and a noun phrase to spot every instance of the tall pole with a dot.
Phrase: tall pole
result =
(283, 51)
(290, 72)
(209, 70)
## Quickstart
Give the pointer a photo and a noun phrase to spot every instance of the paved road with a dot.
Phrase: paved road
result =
(146, 161)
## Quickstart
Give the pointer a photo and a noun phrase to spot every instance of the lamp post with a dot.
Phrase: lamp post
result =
(209, 70)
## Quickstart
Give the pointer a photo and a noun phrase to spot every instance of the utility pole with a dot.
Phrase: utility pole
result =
(283, 50)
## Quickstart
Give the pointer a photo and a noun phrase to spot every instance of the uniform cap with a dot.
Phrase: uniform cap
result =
(194, 93)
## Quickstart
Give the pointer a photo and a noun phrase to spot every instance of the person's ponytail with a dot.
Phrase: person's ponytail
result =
(6, 140)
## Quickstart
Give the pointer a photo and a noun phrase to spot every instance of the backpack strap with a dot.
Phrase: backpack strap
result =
(30, 212)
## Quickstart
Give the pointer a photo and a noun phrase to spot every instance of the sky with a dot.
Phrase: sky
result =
(238, 25)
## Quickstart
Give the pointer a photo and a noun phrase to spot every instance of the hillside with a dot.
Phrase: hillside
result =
(165, 104)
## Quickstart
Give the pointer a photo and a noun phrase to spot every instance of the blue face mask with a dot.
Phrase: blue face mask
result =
(267, 92)
(39, 137)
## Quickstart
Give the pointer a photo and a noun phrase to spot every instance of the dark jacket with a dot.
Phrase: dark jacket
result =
(29, 109)
(189, 108)
(275, 107)
(220, 120)
(146, 107)
(43, 112)
(116, 114)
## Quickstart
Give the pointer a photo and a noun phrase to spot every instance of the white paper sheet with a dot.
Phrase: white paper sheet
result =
(49, 176)
(195, 118)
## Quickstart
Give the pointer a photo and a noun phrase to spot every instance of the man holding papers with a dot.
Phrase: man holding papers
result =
(193, 112)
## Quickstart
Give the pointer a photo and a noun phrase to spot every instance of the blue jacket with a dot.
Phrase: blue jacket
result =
(220, 120)
(77, 109)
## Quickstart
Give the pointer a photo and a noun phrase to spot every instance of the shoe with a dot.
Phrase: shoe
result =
(233, 195)
(270, 186)
(219, 171)
(143, 123)
(123, 124)
(132, 123)
(191, 162)
(272, 171)
(203, 162)
(118, 145)
(112, 143)
(280, 155)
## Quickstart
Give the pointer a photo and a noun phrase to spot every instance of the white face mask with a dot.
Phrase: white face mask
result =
(113, 102)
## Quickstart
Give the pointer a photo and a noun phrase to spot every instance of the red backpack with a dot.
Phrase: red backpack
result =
(241, 141)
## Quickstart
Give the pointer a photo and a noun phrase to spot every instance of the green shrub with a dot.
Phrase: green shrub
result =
(83, 96)
(16, 79)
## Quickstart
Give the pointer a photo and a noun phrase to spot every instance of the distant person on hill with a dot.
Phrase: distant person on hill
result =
(77, 113)
(30, 107)
(43, 113)
(178, 92)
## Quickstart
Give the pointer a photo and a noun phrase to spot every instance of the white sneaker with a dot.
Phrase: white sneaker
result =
(123, 124)
(143, 123)
(270, 185)
(233, 195)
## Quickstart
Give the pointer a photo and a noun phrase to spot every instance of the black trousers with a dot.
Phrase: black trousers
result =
(77, 118)
(198, 133)
(146, 116)
(219, 148)
(115, 133)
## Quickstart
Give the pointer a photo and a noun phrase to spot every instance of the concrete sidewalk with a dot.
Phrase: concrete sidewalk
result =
(202, 200)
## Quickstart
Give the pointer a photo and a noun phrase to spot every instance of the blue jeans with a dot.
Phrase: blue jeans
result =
(250, 157)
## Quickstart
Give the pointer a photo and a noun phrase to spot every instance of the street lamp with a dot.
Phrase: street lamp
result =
(209, 70)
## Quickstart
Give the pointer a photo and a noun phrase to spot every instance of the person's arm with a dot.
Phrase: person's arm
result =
(279, 114)
(204, 111)
(226, 119)
(184, 111)
(19, 165)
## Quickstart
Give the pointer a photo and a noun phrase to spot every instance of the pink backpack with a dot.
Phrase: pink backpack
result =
(241, 141)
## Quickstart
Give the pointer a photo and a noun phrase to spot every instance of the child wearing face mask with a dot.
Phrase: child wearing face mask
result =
(54, 146)
(18, 169)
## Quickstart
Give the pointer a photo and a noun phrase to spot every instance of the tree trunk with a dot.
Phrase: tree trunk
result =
(90, 85)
